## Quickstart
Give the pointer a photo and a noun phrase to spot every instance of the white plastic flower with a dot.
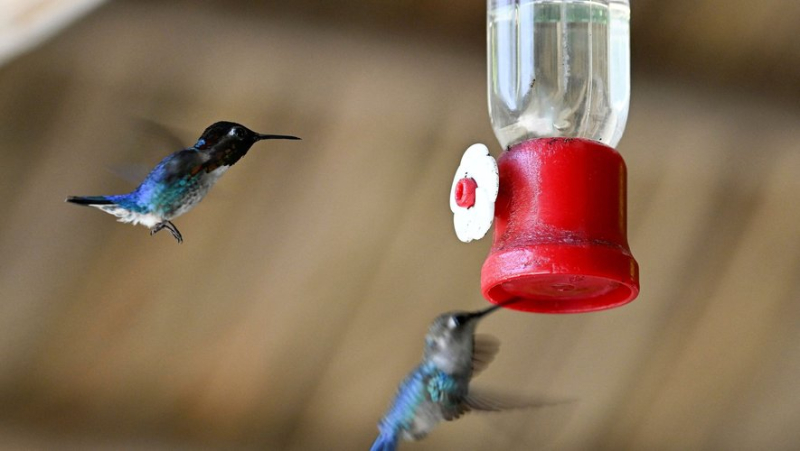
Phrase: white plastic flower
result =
(473, 193)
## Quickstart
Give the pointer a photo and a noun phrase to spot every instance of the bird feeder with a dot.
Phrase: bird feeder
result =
(559, 90)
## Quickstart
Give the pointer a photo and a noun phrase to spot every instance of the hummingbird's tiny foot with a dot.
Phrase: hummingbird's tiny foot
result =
(174, 230)
(169, 226)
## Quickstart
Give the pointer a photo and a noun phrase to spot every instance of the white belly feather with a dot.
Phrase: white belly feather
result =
(146, 219)
(204, 183)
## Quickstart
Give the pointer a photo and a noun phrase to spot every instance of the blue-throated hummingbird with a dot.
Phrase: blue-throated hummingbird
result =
(181, 180)
(439, 388)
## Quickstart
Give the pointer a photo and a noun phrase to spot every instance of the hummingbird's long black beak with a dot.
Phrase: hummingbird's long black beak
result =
(486, 311)
(259, 137)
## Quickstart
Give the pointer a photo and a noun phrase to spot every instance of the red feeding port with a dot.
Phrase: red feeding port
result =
(465, 192)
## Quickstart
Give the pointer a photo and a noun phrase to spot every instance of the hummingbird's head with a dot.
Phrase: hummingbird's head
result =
(450, 339)
(231, 134)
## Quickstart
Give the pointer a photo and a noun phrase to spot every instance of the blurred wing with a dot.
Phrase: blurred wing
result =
(133, 173)
(492, 402)
(154, 135)
(161, 132)
(481, 401)
(455, 414)
(484, 349)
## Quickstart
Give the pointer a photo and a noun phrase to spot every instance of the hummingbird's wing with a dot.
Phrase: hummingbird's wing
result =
(160, 131)
(187, 162)
(133, 173)
(484, 402)
(191, 162)
(481, 400)
(152, 132)
(485, 347)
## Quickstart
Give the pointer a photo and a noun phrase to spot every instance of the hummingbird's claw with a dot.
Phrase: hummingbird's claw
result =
(169, 226)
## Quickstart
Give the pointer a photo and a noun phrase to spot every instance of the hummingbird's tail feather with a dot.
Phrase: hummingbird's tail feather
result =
(385, 442)
(89, 200)
(117, 206)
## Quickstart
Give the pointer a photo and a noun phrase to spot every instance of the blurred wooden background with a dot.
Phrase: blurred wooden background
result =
(309, 276)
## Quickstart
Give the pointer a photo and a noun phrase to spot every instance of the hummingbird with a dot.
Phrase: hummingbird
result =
(439, 388)
(181, 180)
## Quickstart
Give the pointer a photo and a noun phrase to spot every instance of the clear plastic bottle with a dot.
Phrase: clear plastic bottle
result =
(558, 68)
(559, 89)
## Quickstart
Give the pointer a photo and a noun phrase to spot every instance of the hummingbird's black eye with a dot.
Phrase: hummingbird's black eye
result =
(237, 132)
(456, 321)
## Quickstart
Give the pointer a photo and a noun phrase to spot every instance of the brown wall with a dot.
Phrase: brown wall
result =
(308, 277)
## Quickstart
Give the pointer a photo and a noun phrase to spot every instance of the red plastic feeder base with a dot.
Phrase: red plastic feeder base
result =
(560, 239)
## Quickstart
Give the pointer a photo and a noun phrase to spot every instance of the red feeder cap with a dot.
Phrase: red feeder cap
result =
(560, 239)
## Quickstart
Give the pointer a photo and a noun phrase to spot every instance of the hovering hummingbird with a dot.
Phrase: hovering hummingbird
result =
(181, 180)
(439, 388)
